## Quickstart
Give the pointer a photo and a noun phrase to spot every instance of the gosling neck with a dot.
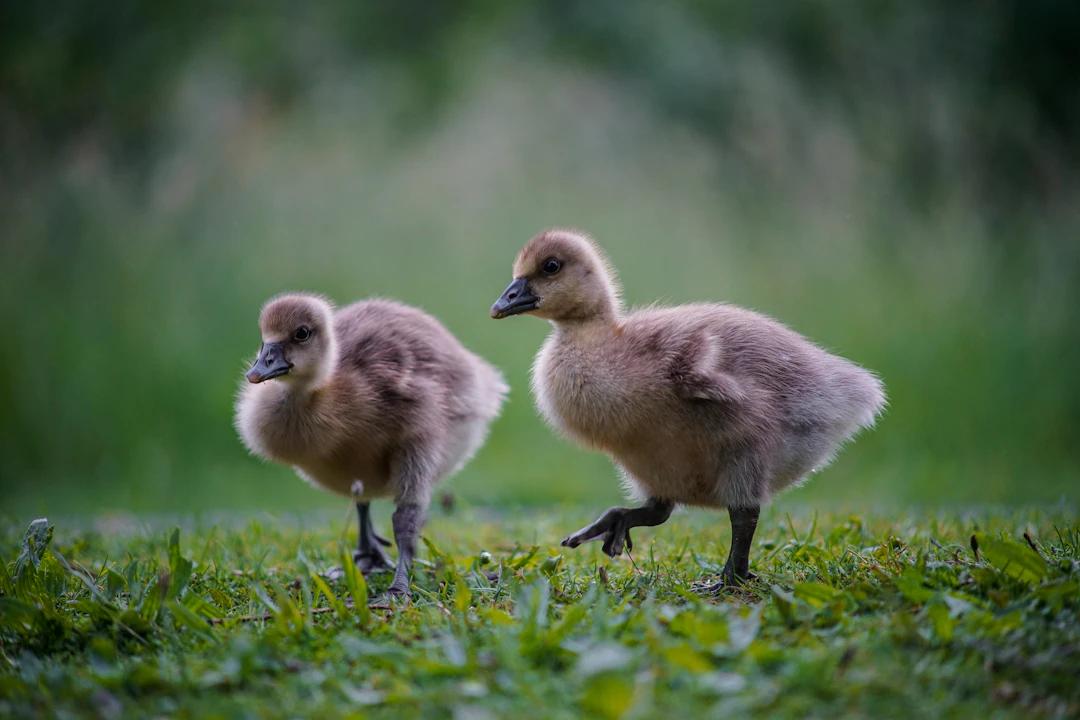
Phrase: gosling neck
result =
(599, 325)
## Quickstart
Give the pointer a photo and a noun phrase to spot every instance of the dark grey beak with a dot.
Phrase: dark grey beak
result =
(271, 363)
(516, 299)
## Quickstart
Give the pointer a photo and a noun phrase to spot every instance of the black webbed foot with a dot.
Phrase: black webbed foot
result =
(396, 594)
(613, 526)
(728, 581)
(372, 559)
(618, 537)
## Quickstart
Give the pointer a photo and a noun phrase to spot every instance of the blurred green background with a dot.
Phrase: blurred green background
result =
(896, 180)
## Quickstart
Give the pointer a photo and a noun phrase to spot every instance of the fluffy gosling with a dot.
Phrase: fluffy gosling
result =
(375, 400)
(706, 405)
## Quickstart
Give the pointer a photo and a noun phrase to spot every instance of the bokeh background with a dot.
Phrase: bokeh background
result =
(897, 180)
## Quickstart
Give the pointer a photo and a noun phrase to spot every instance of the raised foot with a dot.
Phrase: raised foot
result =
(612, 526)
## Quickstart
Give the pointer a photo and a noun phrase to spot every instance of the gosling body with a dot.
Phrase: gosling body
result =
(377, 400)
(705, 404)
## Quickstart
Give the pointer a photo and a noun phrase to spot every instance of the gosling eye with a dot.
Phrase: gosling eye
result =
(551, 266)
(302, 334)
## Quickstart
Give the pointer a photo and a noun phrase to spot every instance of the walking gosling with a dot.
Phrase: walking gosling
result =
(706, 404)
(374, 400)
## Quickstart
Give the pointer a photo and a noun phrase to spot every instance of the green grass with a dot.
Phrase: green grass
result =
(865, 615)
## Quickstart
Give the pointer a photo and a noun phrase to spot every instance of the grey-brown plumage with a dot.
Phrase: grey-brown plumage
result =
(705, 404)
(374, 400)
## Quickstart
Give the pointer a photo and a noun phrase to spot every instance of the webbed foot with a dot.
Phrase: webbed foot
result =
(372, 559)
(729, 580)
(613, 526)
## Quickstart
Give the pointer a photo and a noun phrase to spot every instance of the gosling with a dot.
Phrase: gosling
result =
(705, 405)
(375, 400)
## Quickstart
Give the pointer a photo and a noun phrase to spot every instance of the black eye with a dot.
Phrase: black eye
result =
(551, 266)
(302, 334)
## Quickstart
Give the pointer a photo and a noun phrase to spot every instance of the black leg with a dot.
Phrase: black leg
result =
(363, 512)
(743, 525)
(374, 537)
(408, 519)
(737, 568)
(369, 556)
(614, 525)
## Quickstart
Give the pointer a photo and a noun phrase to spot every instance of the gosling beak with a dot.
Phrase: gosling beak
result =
(516, 299)
(271, 363)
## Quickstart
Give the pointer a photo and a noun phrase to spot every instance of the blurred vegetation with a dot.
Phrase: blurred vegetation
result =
(896, 180)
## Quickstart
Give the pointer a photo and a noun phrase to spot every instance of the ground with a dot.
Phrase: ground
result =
(872, 614)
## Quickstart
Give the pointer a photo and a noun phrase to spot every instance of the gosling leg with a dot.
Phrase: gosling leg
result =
(614, 525)
(369, 556)
(408, 519)
(737, 568)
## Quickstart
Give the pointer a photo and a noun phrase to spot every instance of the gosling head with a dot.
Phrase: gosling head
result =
(297, 340)
(560, 275)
